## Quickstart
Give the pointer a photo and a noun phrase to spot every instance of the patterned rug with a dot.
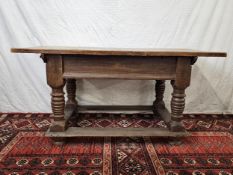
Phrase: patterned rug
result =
(25, 150)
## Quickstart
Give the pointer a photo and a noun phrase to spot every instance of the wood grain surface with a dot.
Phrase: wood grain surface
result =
(117, 51)
(116, 132)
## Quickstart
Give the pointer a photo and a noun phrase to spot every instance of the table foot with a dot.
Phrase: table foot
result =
(160, 110)
(176, 126)
(58, 126)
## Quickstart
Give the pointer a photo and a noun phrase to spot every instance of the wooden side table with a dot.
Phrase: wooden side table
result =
(65, 64)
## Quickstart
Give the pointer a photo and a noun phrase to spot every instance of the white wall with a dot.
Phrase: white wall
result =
(195, 24)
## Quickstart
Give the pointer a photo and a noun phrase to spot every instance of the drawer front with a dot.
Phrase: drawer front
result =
(119, 67)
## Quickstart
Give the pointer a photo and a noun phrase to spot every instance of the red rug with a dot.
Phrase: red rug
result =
(25, 150)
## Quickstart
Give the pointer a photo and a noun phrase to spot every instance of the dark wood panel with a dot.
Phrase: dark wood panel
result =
(119, 67)
(116, 132)
(118, 51)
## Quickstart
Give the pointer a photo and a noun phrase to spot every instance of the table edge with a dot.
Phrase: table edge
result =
(120, 53)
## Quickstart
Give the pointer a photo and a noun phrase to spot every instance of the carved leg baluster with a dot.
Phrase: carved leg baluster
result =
(177, 108)
(56, 82)
(71, 104)
(182, 81)
(58, 104)
(159, 107)
(71, 92)
(159, 92)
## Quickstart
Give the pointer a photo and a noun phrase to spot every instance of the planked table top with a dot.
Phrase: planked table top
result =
(117, 51)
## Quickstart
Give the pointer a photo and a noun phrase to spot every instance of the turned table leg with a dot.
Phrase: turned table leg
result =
(158, 104)
(159, 92)
(159, 107)
(181, 82)
(56, 82)
(177, 108)
(71, 92)
(71, 103)
(58, 105)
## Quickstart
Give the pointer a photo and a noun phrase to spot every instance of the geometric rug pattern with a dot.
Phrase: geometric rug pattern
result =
(25, 150)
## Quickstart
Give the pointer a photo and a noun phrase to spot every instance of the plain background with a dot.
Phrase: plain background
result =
(194, 24)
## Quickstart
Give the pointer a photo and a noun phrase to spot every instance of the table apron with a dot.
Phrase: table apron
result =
(119, 67)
